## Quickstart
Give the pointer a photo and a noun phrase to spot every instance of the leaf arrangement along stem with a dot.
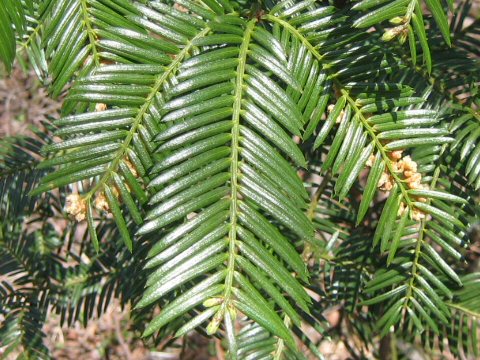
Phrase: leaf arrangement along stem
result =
(245, 168)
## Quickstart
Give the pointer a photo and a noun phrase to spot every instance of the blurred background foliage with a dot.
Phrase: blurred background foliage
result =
(60, 298)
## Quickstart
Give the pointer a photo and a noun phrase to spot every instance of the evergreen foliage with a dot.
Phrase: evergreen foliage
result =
(246, 167)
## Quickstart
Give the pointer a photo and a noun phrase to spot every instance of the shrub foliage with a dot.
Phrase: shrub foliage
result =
(245, 167)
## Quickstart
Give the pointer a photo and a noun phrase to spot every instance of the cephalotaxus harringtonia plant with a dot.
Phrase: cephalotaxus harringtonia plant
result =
(245, 167)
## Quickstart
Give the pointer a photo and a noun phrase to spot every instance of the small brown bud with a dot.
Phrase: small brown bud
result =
(100, 107)
(370, 161)
(396, 155)
(414, 185)
(415, 177)
(418, 215)
(76, 206)
(409, 164)
(101, 203)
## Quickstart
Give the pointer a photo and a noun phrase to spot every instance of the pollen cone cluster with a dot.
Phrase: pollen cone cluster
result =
(76, 204)
(409, 169)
